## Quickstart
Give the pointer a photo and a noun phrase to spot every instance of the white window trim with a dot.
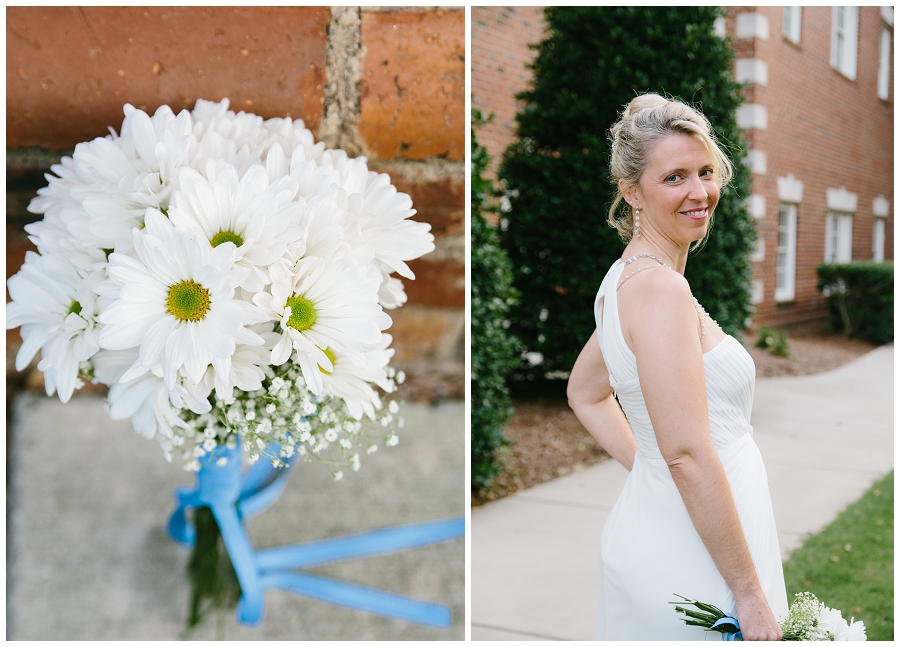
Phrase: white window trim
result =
(790, 189)
(758, 255)
(838, 237)
(844, 40)
(788, 253)
(884, 63)
(757, 292)
(878, 240)
(752, 25)
(791, 23)
(841, 200)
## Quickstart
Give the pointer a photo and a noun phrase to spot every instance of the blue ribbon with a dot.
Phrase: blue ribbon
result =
(728, 620)
(233, 497)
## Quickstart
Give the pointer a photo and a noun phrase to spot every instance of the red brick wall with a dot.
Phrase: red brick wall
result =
(500, 54)
(70, 70)
(826, 130)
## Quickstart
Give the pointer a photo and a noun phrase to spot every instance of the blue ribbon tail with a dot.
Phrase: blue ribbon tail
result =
(728, 620)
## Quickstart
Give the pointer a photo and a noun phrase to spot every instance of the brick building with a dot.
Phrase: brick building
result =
(388, 83)
(820, 132)
(500, 55)
(818, 122)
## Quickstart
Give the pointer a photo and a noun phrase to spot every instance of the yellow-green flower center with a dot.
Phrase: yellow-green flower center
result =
(303, 313)
(226, 237)
(188, 301)
(75, 307)
(330, 357)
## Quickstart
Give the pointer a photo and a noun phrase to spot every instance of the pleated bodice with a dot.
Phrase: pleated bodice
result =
(729, 369)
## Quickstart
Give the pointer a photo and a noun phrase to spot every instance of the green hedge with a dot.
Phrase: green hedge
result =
(593, 61)
(494, 351)
(860, 298)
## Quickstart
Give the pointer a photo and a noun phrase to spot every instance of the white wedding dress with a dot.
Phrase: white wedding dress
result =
(649, 549)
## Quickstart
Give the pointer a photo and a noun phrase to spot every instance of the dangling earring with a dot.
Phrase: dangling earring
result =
(637, 222)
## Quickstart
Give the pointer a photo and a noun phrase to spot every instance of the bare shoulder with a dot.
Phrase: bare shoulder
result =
(656, 290)
(656, 308)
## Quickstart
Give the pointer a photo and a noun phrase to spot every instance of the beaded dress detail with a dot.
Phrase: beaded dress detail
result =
(649, 549)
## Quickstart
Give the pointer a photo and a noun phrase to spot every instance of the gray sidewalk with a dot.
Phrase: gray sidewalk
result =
(88, 557)
(824, 439)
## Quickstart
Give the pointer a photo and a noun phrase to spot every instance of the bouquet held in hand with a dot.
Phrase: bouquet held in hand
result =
(807, 619)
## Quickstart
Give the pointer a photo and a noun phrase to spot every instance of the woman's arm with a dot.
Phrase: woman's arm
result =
(590, 397)
(660, 324)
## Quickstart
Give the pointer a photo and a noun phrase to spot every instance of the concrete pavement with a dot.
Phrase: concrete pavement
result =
(88, 557)
(824, 439)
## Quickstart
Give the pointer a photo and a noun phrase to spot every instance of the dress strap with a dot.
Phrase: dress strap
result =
(637, 271)
(700, 310)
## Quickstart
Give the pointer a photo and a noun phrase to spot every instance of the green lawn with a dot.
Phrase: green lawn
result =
(850, 564)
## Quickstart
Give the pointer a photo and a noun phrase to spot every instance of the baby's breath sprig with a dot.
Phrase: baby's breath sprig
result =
(283, 419)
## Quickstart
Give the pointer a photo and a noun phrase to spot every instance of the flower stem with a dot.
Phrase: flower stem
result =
(209, 570)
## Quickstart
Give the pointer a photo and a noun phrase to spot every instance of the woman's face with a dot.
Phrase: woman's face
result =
(678, 191)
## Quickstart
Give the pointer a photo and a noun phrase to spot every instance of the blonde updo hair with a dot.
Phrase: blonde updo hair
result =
(647, 119)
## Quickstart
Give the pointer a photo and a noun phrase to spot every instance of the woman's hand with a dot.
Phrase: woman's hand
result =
(756, 618)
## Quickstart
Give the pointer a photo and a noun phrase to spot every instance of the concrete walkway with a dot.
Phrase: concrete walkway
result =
(88, 557)
(824, 439)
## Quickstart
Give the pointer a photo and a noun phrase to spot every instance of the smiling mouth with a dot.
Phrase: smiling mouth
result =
(696, 214)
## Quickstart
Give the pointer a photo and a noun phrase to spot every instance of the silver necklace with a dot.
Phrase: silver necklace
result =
(641, 269)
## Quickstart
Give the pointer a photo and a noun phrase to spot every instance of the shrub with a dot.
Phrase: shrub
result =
(593, 61)
(860, 298)
(774, 341)
(494, 351)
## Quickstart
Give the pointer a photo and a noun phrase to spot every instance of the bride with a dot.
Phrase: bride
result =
(695, 516)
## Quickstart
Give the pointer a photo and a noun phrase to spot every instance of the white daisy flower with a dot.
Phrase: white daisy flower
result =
(95, 170)
(850, 630)
(385, 225)
(323, 304)
(57, 311)
(103, 191)
(391, 293)
(176, 302)
(244, 130)
(145, 400)
(162, 143)
(292, 135)
(323, 236)
(828, 621)
(353, 384)
(244, 211)
(245, 373)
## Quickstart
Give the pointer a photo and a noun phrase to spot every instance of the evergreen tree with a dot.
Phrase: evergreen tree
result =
(556, 174)
(494, 352)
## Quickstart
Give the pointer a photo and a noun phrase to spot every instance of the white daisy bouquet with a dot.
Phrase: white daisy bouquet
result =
(807, 619)
(227, 278)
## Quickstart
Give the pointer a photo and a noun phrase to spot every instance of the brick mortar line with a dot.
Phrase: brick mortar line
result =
(35, 157)
(451, 248)
(404, 9)
(428, 170)
(343, 74)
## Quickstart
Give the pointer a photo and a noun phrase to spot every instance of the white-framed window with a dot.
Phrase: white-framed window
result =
(878, 240)
(786, 253)
(790, 23)
(838, 237)
(844, 28)
(884, 63)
